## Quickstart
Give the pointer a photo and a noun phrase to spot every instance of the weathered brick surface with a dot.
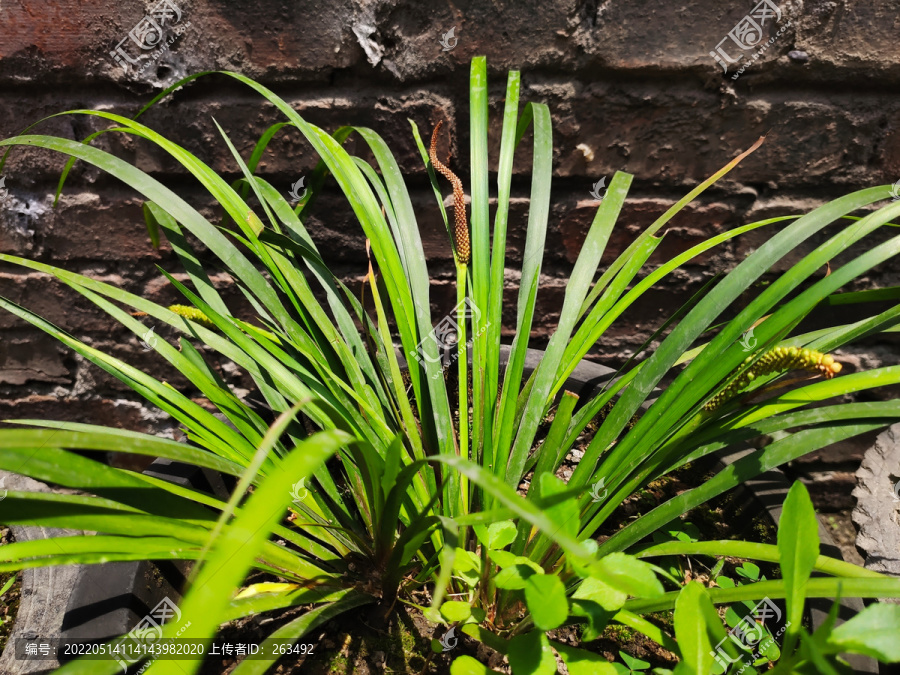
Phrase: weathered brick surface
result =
(59, 40)
(114, 413)
(630, 86)
(31, 358)
(48, 298)
(690, 227)
(246, 116)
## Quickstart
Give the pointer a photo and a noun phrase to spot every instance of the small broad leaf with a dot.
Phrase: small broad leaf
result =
(505, 559)
(513, 578)
(496, 536)
(874, 632)
(690, 629)
(688, 532)
(628, 574)
(565, 514)
(433, 615)
(530, 654)
(501, 535)
(732, 618)
(770, 649)
(581, 566)
(466, 561)
(602, 593)
(545, 595)
(455, 610)
(466, 665)
(478, 615)
(798, 544)
(581, 662)
(724, 650)
(597, 617)
(467, 565)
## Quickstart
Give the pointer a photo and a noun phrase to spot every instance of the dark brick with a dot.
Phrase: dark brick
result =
(113, 413)
(527, 34)
(682, 135)
(850, 42)
(765, 209)
(850, 450)
(52, 301)
(108, 229)
(630, 87)
(623, 35)
(32, 359)
(691, 226)
(54, 42)
(288, 156)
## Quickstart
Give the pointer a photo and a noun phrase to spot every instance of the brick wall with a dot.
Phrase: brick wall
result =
(631, 86)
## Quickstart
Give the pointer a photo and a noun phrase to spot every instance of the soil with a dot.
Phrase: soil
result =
(350, 644)
(843, 531)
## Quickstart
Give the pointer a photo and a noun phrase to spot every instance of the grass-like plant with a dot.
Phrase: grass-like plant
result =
(400, 475)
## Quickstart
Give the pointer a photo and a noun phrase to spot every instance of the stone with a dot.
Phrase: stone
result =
(877, 512)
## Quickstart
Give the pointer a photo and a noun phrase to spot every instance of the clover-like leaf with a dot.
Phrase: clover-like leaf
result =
(632, 662)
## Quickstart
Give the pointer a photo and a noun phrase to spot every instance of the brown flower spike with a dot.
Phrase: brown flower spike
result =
(459, 201)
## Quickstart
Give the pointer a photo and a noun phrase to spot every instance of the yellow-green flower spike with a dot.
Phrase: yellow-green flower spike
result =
(192, 313)
(777, 360)
(187, 312)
